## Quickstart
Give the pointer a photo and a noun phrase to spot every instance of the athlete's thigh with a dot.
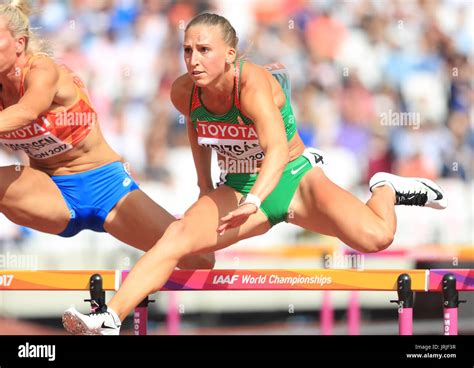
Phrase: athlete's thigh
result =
(324, 207)
(140, 222)
(304, 209)
(137, 220)
(29, 197)
(200, 221)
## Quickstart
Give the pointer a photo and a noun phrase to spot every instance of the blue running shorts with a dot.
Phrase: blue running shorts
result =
(91, 195)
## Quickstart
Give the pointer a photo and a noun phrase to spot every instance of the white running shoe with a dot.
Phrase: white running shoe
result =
(411, 191)
(102, 323)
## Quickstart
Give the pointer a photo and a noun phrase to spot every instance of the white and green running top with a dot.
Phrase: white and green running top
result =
(233, 134)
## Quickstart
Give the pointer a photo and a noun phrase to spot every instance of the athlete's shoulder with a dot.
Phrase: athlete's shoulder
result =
(250, 69)
(180, 94)
(254, 76)
(42, 61)
(41, 70)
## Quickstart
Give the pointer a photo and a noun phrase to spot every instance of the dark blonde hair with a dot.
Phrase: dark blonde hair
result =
(228, 32)
(16, 14)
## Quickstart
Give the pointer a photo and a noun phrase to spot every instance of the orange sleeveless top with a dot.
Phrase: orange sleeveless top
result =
(56, 131)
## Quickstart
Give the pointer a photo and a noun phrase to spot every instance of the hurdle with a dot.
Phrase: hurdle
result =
(426, 252)
(450, 282)
(57, 280)
(96, 282)
(298, 279)
(404, 282)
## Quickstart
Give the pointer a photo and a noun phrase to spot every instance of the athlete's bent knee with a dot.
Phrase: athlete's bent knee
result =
(376, 240)
(178, 240)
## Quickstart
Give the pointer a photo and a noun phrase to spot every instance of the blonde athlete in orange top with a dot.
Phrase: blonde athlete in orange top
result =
(75, 181)
(243, 111)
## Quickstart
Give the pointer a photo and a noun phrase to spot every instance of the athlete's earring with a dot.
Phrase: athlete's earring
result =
(228, 61)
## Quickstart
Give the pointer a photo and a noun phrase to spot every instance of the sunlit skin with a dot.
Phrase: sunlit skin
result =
(205, 56)
(216, 220)
(28, 196)
(209, 61)
(47, 86)
(11, 56)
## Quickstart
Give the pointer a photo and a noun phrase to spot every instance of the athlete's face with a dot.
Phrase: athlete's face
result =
(9, 47)
(205, 53)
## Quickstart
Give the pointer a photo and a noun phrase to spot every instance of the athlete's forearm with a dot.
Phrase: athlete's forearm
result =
(15, 117)
(271, 170)
(202, 161)
(205, 183)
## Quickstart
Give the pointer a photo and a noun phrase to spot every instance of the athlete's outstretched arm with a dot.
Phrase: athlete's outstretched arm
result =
(41, 84)
(202, 160)
(180, 95)
(257, 103)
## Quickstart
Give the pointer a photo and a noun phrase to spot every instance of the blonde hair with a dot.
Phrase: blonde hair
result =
(17, 14)
(228, 32)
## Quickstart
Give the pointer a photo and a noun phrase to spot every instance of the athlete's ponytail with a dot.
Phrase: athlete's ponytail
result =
(16, 14)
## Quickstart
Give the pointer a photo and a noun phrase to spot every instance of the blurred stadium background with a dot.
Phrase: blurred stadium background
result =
(381, 85)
